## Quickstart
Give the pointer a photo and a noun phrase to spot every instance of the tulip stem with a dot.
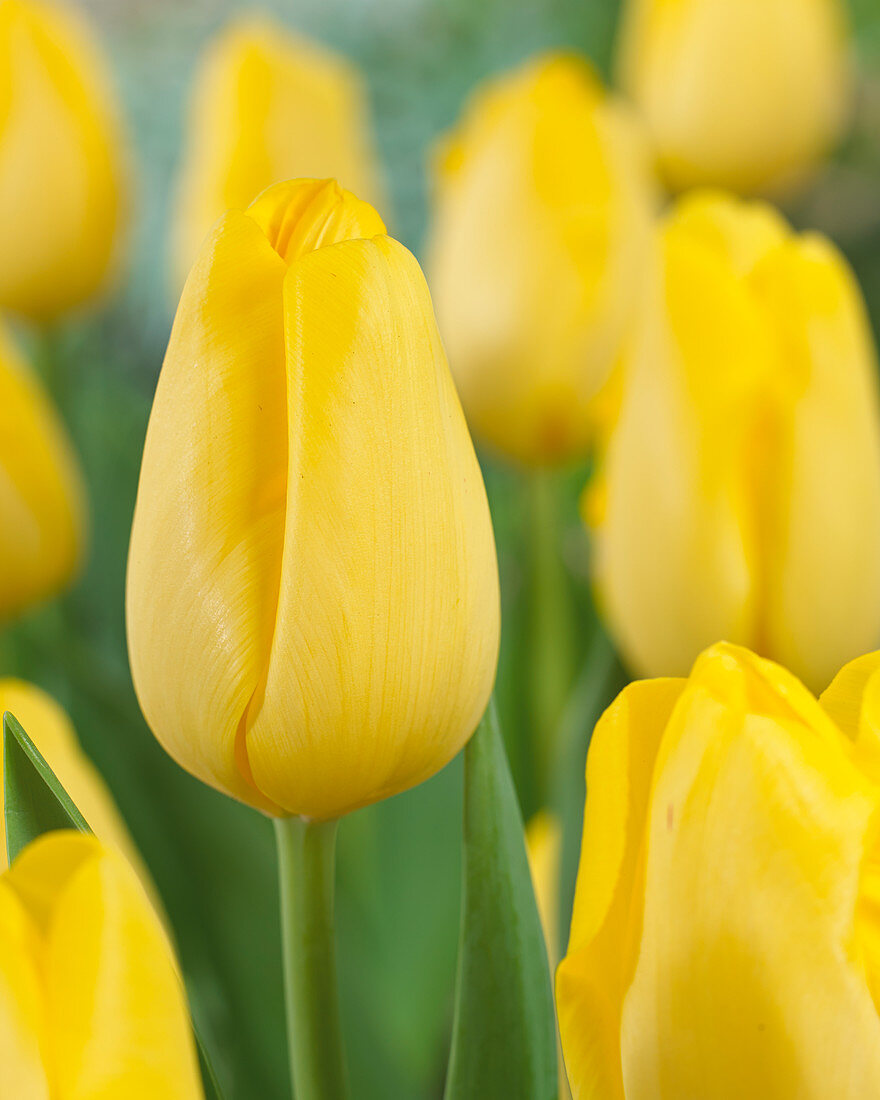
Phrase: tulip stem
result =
(48, 366)
(551, 623)
(306, 865)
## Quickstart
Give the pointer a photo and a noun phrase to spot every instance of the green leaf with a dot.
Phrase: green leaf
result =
(504, 1039)
(34, 800)
(35, 803)
(209, 1077)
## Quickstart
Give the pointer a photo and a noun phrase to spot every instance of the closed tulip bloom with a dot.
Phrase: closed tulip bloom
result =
(62, 176)
(41, 494)
(740, 490)
(91, 1002)
(50, 729)
(745, 94)
(543, 206)
(312, 588)
(725, 933)
(268, 106)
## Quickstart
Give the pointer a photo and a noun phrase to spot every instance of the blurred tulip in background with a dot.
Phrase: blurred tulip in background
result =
(268, 105)
(91, 1003)
(745, 94)
(541, 219)
(739, 495)
(312, 609)
(42, 521)
(724, 939)
(62, 161)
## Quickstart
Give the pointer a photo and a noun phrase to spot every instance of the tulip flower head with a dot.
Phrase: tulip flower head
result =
(268, 106)
(41, 493)
(62, 171)
(312, 587)
(50, 729)
(745, 94)
(740, 489)
(544, 201)
(725, 929)
(91, 1002)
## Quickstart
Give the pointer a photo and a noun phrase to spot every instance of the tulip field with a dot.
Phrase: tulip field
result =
(440, 550)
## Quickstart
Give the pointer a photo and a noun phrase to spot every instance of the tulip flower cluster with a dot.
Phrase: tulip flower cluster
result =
(313, 599)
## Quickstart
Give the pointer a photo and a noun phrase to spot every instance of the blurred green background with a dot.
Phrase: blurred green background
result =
(399, 862)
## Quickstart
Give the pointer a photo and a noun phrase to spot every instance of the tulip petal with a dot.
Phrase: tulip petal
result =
(116, 1010)
(749, 978)
(268, 106)
(22, 1008)
(822, 573)
(677, 548)
(208, 530)
(387, 625)
(593, 977)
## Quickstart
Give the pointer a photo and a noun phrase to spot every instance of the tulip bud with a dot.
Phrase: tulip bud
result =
(48, 726)
(61, 173)
(746, 94)
(91, 1003)
(268, 106)
(41, 493)
(312, 588)
(725, 934)
(740, 495)
(543, 207)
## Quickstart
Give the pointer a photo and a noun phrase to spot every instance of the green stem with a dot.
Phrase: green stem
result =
(47, 363)
(306, 865)
(551, 624)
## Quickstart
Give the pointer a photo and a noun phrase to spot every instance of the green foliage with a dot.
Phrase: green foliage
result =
(34, 801)
(504, 1039)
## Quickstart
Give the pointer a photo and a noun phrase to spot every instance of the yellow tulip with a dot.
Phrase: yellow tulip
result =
(51, 731)
(726, 932)
(41, 494)
(544, 201)
(746, 94)
(62, 177)
(312, 588)
(268, 106)
(740, 496)
(91, 1003)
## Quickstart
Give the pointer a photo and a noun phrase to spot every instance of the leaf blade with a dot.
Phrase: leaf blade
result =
(34, 800)
(504, 1038)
